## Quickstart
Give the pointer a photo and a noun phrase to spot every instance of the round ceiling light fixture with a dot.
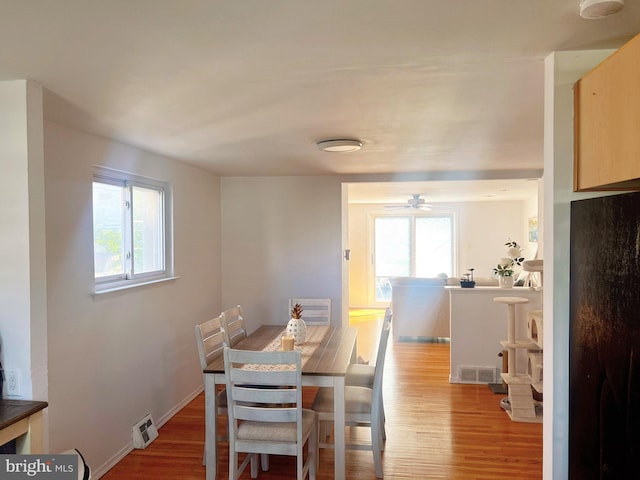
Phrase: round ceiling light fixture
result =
(340, 145)
(594, 9)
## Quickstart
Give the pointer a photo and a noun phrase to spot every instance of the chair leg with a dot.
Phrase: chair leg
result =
(236, 470)
(325, 430)
(254, 465)
(376, 444)
(264, 462)
(233, 465)
(299, 465)
(313, 453)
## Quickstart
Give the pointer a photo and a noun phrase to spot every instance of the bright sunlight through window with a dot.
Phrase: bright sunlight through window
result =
(411, 246)
(130, 229)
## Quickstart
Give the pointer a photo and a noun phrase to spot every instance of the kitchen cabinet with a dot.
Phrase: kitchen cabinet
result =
(607, 123)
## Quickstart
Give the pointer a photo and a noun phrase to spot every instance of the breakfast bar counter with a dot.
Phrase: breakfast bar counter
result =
(478, 324)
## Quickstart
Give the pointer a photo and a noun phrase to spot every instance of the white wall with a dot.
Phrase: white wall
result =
(115, 357)
(23, 326)
(562, 70)
(281, 238)
(483, 229)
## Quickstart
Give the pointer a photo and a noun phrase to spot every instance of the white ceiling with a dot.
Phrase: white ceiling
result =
(247, 87)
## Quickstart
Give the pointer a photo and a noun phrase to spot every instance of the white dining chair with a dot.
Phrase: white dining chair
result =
(274, 422)
(359, 374)
(363, 407)
(211, 340)
(362, 375)
(233, 324)
(315, 311)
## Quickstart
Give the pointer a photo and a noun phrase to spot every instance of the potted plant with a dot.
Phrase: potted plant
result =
(296, 326)
(504, 269)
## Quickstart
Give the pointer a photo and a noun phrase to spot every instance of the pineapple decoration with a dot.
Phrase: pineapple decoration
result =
(296, 326)
(296, 311)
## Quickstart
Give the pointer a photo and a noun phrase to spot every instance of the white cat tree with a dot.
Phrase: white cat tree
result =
(522, 407)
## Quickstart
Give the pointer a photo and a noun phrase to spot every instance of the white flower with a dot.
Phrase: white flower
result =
(505, 262)
(513, 252)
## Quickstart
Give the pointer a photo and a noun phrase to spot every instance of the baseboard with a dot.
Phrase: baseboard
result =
(112, 462)
(167, 416)
(98, 472)
(403, 338)
(498, 388)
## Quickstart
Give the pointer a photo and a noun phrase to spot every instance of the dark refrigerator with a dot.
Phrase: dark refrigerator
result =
(604, 350)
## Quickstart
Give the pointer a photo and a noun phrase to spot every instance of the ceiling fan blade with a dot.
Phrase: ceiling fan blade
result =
(416, 202)
(396, 207)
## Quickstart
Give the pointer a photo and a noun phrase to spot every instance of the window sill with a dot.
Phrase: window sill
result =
(133, 285)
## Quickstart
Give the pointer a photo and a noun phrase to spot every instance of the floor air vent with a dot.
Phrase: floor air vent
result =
(477, 374)
(144, 432)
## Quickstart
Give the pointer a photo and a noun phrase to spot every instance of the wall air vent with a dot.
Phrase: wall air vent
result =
(477, 374)
(144, 432)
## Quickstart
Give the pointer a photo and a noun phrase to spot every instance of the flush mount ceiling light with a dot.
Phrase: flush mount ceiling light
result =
(594, 9)
(340, 145)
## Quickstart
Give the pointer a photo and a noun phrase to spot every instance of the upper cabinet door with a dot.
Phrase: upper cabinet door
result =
(607, 123)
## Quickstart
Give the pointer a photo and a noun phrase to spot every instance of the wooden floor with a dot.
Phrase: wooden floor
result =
(435, 430)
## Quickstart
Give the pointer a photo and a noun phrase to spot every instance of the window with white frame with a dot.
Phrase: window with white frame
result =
(411, 246)
(131, 229)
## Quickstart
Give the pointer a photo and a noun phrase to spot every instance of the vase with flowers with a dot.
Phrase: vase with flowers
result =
(504, 269)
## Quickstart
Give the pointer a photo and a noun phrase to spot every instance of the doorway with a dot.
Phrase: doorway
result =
(475, 208)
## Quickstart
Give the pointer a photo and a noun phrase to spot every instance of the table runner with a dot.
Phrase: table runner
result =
(315, 336)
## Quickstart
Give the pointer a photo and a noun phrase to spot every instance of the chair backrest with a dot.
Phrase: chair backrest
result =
(249, 372)
(233, 325)
(385, 321)
(315, 311)
(379, 366)
(210, 339)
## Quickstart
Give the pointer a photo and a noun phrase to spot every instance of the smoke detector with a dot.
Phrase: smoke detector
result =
(594, 9)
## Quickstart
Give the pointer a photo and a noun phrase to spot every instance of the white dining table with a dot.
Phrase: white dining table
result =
(326, 354)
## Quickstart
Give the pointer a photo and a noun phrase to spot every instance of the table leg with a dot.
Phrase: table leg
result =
(339, 427)
(22, 433)
(34, 437)
(211, 427)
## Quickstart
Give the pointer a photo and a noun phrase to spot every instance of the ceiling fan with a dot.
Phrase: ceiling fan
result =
(415, 202)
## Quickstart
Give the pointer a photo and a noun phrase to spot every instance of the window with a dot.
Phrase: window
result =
(131, 229)
(411, 246)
